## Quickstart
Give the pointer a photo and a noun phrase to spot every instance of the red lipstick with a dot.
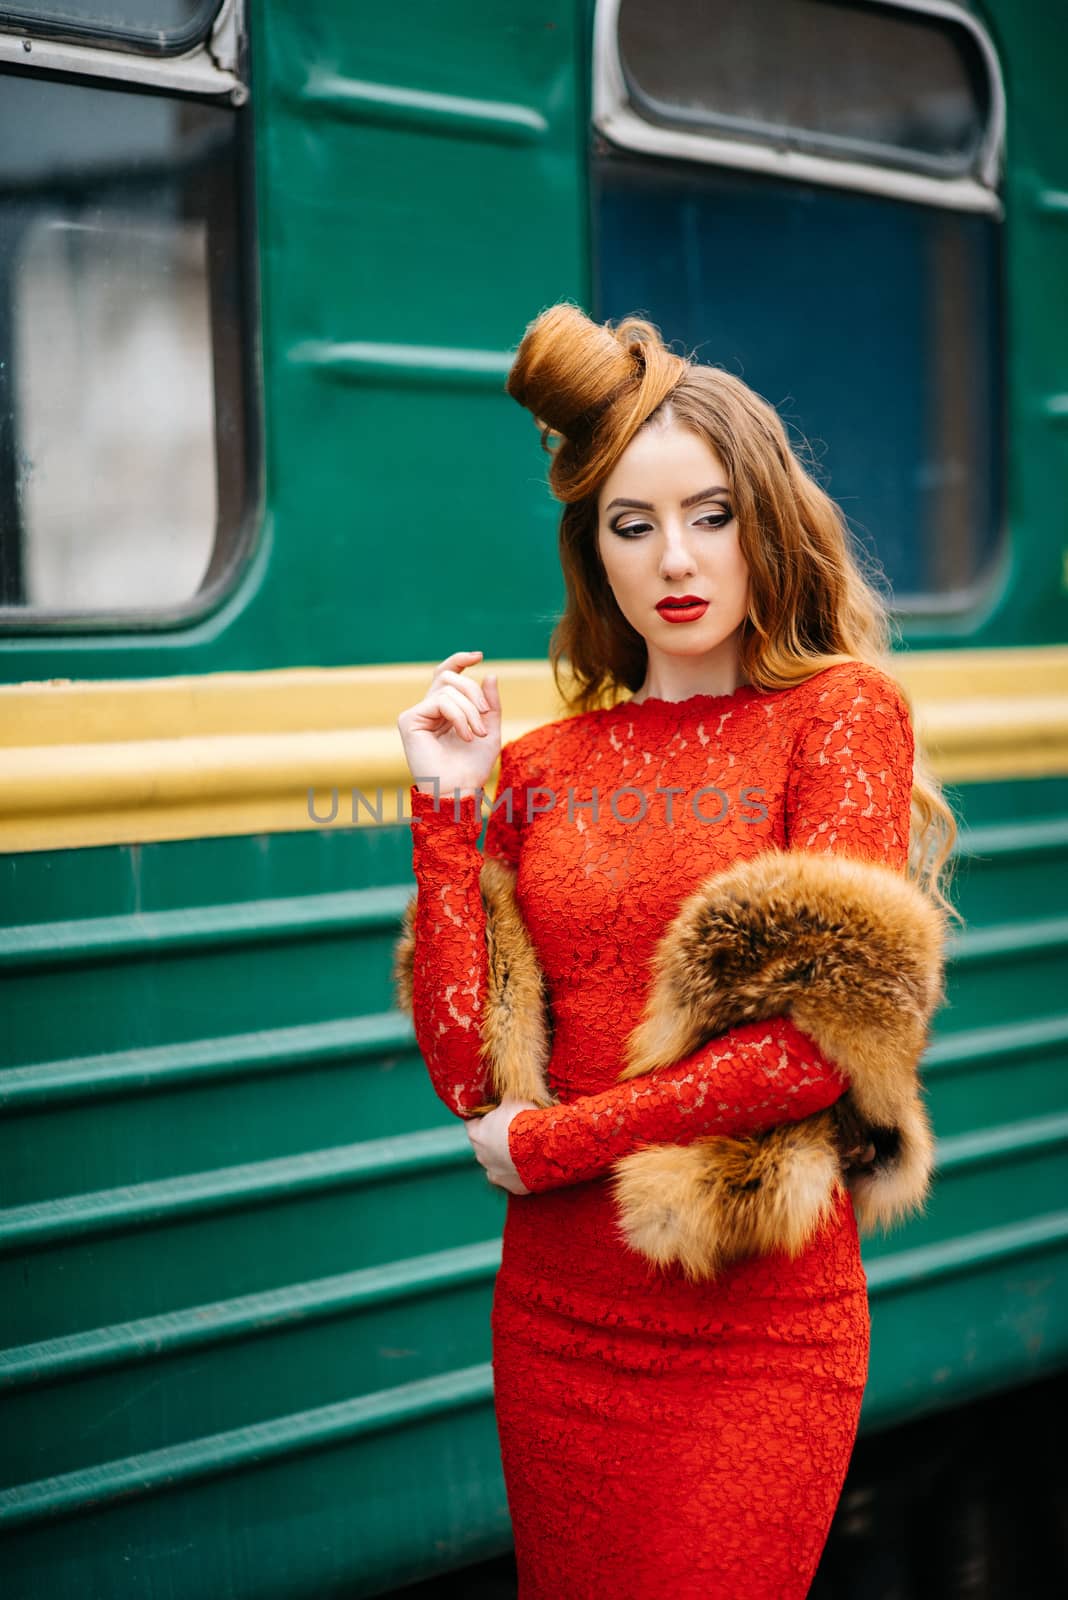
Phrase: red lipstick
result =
(682, 608)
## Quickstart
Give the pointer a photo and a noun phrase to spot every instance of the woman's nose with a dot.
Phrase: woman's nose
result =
(676, 557)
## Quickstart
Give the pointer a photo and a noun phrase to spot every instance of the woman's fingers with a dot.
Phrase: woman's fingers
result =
(455, 705)
(485, 696)
(444, 705)
(470, 688)
(447, 676)
(455, 663)
(469, 722)
(491, 692)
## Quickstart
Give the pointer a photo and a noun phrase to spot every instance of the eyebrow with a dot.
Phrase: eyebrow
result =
(691, 500)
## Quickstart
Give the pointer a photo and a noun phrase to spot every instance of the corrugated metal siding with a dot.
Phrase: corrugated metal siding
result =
(245, 1256)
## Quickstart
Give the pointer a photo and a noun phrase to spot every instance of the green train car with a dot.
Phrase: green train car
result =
(262, 268)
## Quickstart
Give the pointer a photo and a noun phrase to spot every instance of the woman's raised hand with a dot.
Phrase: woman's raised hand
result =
(454, 733)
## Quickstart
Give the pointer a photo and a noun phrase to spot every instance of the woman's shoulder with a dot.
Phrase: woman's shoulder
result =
(852, 714)
(850, 688)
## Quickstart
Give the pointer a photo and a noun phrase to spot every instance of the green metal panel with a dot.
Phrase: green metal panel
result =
(421, 196)
(1029, 40)
(405, 239)
(246, 1260)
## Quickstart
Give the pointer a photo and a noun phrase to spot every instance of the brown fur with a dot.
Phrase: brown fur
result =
(850, 949)
(516, 1031)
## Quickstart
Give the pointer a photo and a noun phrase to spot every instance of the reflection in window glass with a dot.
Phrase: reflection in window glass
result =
(870, 323)
(857, 81)
(113, 394)
(122, 434)
(165, 25)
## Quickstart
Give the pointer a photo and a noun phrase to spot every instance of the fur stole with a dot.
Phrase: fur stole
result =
(850, 949)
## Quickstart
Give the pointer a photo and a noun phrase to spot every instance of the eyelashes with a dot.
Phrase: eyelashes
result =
(714, 519)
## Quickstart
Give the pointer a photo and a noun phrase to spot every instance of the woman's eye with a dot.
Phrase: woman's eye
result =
(630, 529)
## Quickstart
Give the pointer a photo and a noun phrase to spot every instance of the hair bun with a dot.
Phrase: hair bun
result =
(567, 368)
(570, 371)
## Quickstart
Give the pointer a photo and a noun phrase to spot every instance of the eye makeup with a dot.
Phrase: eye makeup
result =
(632, 530)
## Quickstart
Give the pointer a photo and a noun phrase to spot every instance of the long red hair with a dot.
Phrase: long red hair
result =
(591, 387)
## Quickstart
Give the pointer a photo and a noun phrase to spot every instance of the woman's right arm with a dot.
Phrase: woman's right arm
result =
(848, 794)
(450, 968)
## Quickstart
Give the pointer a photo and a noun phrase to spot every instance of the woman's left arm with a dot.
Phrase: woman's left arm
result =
(849, 792)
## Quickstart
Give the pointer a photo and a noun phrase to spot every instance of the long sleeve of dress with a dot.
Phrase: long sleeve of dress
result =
(450, 965)
(849, 791)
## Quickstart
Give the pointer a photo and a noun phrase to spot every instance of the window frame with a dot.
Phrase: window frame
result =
(178, 42)
(221, 77)
(213, 67)
(31, 23)
(616, 117)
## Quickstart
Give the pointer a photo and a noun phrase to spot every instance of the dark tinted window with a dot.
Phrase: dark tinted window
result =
(159, 26)
(870, 323)
(123, 430)
(853, 80)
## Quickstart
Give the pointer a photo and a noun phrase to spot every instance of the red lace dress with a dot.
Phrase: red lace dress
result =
(657, 1436)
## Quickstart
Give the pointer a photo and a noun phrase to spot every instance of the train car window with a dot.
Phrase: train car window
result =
(850, 80)
(157, 27)
(862, 300)
(123, 441)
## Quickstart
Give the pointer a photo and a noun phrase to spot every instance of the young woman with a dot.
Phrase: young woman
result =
(680, 1319)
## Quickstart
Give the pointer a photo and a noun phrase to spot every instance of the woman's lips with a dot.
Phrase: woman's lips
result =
(689, 609)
